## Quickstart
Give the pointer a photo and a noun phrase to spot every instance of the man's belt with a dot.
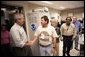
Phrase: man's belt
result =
(45, 45)
(67, 36)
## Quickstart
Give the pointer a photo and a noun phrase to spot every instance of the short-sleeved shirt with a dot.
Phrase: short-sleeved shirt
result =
(68, 30)
(45, 35)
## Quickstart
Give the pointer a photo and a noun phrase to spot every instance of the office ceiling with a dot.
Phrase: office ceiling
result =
(59, 5)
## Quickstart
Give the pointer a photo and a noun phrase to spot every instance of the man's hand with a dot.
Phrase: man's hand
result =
(73, 38)
(30, 43)
(61, 38)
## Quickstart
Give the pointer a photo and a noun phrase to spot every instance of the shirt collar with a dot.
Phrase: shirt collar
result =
(18, 26)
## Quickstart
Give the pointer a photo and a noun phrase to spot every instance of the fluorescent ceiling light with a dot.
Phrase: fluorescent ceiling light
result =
(47, 2)
(62, 7)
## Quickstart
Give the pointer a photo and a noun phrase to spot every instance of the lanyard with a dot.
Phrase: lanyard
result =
(68, 28)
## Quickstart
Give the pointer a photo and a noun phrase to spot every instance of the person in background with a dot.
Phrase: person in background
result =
(46, 35)
(68, 32)
(20, 44)
(78, 28)
(54, 23)
(5, 41)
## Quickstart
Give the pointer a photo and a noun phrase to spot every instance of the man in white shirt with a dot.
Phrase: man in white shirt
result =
(18, 38)
(46, 35)
(68, 31)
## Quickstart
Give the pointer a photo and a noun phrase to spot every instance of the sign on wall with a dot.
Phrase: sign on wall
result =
(33, 27)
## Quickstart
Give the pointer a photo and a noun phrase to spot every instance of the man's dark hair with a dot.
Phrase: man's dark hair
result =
(45, 18)
(69, 18)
